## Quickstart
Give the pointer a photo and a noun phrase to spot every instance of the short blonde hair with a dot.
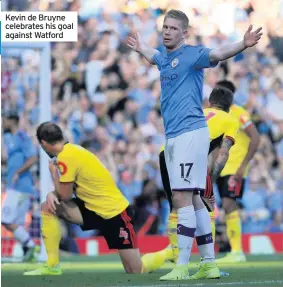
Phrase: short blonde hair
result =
(179, 15)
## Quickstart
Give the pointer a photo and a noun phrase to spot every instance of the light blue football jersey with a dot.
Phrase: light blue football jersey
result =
(19, 148)
(181, 77)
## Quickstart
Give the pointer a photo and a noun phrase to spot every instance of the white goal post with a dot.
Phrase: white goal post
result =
(44, 111)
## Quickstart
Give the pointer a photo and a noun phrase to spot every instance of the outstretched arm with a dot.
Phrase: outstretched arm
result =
(222, 157)
(224, 53)
(137, 45)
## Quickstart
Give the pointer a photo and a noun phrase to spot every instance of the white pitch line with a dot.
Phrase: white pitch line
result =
(215, 284)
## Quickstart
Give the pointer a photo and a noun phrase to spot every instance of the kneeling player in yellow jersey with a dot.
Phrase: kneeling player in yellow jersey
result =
(223, 129)
(232, 179)
(98, 203)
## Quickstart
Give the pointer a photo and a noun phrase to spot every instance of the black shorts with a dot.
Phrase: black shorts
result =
(118, 231)
(230, 188)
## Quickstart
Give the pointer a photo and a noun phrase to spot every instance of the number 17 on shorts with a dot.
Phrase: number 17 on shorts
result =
(186, 160)
(185, 171)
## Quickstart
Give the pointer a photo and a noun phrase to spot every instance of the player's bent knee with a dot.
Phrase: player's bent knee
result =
(44, 207)
(133, 269)
(229, 205)
(131, 261)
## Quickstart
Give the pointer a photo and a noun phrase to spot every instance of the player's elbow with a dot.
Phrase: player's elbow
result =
(216, 56)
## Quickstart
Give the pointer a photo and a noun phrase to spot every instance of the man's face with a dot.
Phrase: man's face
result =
(6, 125)
(172, 32)
(47, 148)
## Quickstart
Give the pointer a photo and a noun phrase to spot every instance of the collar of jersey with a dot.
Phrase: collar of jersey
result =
(174, 53)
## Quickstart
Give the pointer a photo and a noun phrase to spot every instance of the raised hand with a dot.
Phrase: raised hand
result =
(252, 38)
(135, 42)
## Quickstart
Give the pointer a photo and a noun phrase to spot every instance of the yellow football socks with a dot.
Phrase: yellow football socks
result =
(212, 218)
(234, 231)
(51, 233)
(154, 261)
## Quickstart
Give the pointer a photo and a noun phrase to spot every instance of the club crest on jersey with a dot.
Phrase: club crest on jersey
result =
(62, 167)
(175, 62)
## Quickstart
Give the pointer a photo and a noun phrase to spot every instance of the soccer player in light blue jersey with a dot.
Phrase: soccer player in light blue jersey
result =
(187, 137)
(21, 156)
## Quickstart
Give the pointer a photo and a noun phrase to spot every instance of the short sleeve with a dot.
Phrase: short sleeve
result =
(67, 169)
(242, 116)
(202, 58)
(245, 120)
(233, 129)
(157, 59)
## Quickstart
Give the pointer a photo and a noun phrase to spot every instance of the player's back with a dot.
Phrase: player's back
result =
(240, 149)
(94, 183)
(220, 124)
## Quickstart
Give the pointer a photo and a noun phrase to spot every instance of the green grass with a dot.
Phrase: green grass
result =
(103, 271)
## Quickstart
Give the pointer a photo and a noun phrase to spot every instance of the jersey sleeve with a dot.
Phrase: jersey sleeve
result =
(242, 116)
(67, 168)
(232, 129)
(157, 59)
(202, 58)
(245, 120)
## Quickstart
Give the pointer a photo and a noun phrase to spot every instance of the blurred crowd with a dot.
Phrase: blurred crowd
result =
(106, 97)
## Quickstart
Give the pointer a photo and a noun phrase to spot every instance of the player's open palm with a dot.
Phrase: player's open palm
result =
(252, 38)
(135, 42)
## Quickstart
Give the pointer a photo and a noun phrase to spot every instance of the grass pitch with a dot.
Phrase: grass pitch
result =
(102, 271)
